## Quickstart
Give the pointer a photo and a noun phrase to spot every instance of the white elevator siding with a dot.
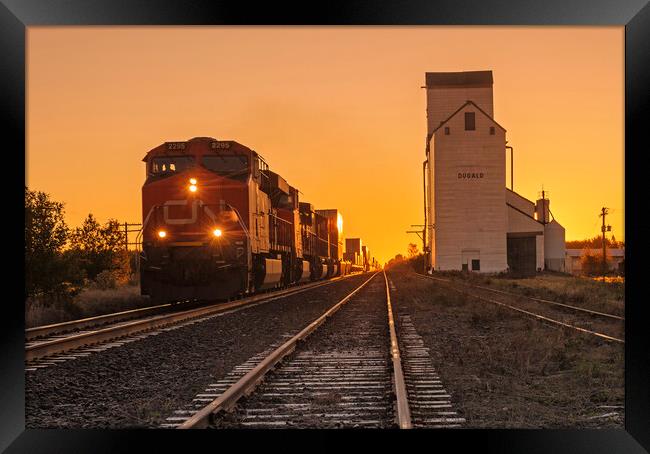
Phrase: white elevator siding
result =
(471, 217)
(520, 202)
(442, 102)
(469, 214)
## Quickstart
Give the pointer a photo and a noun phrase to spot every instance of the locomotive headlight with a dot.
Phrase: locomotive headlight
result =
(192, 188)
(162, 233)
(217, 232)
(192, 180)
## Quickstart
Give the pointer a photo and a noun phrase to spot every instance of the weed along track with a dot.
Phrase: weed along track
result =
(503, 368)
(607, 327)
(346, 374)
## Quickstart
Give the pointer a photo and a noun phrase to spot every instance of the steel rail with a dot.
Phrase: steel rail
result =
(37, 332)
(248, 382)
(72, 325)
(540, 300)
(555, 303)
(402, 404)
(537, 316)
(90, 322)
(59, 345)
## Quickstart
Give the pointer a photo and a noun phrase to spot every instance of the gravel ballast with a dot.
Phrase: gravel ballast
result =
(140, 383)
(339, 377)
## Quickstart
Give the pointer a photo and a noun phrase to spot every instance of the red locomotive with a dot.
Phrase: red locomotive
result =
(218, 223)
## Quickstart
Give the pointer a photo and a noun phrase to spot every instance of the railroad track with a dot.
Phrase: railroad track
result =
(553, 303)
(52, 344)
(40, 332)
(552, 311)
(344, 369)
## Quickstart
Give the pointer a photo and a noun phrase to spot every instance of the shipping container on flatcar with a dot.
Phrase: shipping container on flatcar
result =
(334, 240)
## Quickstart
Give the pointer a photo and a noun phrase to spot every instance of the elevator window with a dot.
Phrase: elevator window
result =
(491, 130)
(470, 121)
(446, 130)
(476, 265)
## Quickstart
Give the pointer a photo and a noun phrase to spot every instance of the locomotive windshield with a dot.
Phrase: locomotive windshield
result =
(231, 166)
(170, 164)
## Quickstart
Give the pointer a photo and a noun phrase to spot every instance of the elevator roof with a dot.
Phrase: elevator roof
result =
(459, 79)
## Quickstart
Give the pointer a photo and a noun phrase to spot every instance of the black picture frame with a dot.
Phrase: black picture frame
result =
(16, 15)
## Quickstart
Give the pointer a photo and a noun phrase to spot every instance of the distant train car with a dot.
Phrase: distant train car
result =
(218, 223)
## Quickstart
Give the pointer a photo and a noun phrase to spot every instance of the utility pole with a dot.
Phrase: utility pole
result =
(604, 228)
(422, 234)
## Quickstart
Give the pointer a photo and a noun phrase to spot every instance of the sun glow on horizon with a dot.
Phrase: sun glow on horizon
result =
(336, 111)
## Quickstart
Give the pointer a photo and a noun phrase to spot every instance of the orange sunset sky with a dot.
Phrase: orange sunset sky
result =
(337, 111)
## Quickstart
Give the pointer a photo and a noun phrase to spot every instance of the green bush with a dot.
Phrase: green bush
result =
(58, 259)
(45, 237)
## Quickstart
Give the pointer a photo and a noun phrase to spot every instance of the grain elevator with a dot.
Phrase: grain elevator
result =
(474, 222)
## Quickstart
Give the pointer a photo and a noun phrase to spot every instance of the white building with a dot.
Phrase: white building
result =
(477, 223)
(615, 258)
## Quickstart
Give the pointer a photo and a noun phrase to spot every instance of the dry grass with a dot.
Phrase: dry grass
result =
(523, 374)
(88, 303)
(37, 313)
(505, 370)
(607, 296)
(586, 292)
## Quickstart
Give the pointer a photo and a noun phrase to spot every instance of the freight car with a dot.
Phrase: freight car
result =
(218, 223)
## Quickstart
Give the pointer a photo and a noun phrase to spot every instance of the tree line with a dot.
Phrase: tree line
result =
(413, 255)
(60, 259)
(595, 243)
